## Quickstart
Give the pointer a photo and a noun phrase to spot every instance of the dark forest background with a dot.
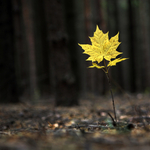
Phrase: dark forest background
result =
(40, 57)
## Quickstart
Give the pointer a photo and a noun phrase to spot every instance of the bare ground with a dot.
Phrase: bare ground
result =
(40, 126)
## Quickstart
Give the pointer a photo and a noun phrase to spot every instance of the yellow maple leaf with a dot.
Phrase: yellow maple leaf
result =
(113, 63)
(102, 49)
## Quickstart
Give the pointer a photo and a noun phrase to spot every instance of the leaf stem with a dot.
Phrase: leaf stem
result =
(113, 102)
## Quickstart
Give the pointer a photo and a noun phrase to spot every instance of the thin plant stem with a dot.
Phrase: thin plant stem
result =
(113, 102)
(110, 88)
(114, 122)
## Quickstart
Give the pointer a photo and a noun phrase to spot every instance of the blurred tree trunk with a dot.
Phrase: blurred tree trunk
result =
(145, 24)
(79, 24)
(70, 17)
(41, 46)
(20, 53)
(64, 80)
(132, 46)
(124, 36)
(8, 83)
(30, 41)
(135, 47)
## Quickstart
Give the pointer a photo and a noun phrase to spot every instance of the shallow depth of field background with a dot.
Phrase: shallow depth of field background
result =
(40, 57)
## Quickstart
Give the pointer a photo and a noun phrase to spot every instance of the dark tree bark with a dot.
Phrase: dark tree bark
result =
(41, 47)
(64, 81)
(20, 52)
(132, 49)
(70, 18)
(30, 41)
(123, 26)
(8, 83)
(145, 23)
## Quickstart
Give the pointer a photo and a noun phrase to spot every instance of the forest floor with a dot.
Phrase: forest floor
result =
(40, 126)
